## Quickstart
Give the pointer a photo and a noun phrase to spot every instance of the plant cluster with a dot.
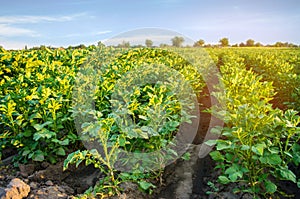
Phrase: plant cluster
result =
(259, 142)
(125, 103)
(132, 112)
(35, 97)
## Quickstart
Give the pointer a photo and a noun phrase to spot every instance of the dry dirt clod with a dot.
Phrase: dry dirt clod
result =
(16, 189)
(26, 170)
(49, 183)
(52, 192)
(33, 185)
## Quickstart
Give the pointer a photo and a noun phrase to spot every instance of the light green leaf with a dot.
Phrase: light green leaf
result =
(223, 180)
(245, 147)
(223, 144)
(259, 148)
(143, 117)
(186, 156)
(145, 185)
(211, 142)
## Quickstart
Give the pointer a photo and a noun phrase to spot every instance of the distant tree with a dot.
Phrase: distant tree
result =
(177, 41)
(42, 47)
(242, 45)
(235, 45)
(199, 43)
(148, 43)
(81, 46)
(207, 45)
(292, 45)
(124, 44)
(250, 42)
(100, 44)
(279, 44)
(224, 42)
(92, 47)
(138, 46)
(285, 44)
(257, 44)
(26, 47)
(163, 45)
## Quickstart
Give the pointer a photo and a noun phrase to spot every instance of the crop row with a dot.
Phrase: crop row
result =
(130, 102)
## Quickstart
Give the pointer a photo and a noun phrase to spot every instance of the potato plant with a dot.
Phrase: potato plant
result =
(124, 101)
(259, 142)
(146, 94)
(36, 91)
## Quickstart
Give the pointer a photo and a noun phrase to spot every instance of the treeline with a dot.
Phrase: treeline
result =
(224, 42)
(178, 42)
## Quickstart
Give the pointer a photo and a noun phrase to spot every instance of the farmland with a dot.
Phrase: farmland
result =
(105, 106)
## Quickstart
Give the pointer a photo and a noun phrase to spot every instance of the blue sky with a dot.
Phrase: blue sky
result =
(72, 22)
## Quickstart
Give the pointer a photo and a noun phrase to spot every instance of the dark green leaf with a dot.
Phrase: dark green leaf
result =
(217, 156)
(38, 156)
(38, 127)
(270, 187)
(287, 174)
(60, 151)
(272, 159)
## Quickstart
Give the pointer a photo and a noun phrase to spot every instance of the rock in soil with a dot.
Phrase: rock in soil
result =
(53, 192)
(49, 183)
(16, 189)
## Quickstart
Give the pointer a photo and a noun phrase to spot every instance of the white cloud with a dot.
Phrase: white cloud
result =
(23, 19)
(13, 44)
(10, 31)
(86, 34)
(102, 32)
(8, 24)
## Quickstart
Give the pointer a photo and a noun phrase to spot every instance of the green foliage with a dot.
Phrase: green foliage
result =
(146, 95)
(258, 141)
(257, 145)
(35, 94)
(103, 160)
(277, 66)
